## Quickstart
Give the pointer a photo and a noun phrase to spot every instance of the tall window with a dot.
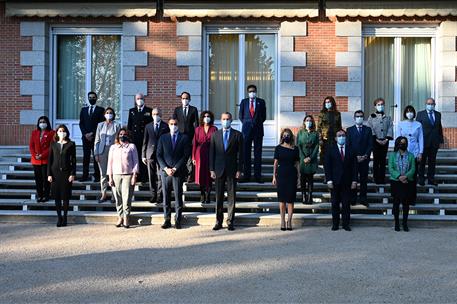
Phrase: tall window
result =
(235, 61)
(399, 69)
(87, 63)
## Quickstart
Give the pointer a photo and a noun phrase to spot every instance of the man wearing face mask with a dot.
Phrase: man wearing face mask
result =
(360, 141)
(139, 117)
(253, 114)
(341, 175)
(152, 132)
(187, 117)
(225, 165)
(433, 138)
(89, 118)
(173, 150)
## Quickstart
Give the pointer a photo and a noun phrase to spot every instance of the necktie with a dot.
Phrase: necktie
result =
(174, 141)
(360, 130)
(185, 111)
(251, 108)
(342, 153)
(430, 116)
(156, 129)
(91, 110)
(225, 140)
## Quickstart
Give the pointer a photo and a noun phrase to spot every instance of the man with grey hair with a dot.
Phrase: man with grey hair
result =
(152, 132)
(139, 116)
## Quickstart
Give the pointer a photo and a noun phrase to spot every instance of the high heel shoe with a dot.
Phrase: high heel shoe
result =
(289, 226)
(119, 222)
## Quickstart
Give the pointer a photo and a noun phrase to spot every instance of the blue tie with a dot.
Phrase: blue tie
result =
(430, 116)
(174, 141)
(225, 140)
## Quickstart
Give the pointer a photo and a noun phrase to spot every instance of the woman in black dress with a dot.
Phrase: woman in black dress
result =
(285, 174)
(62, 171)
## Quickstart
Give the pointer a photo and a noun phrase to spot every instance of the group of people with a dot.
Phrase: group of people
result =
(189, 147)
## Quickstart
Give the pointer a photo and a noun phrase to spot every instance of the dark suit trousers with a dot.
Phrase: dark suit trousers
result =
(258, 141)
(428, 156)
(155, 179)
(88, 149)
(231, 193)
(362, 174)
(167, 183)
(379, 162)
(43, 187)
(341, 194)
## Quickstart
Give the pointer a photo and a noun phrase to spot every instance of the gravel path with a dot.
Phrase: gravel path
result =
(99, 263)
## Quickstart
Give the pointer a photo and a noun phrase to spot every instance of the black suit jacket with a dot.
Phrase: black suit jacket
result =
(229, 161)
(187, 125)
(254, 124)
(433, 134)
(360, 144)
(62, 161)
(88, 123)
(151, 139)
(177, 158)
(338, 171)
(137, 122)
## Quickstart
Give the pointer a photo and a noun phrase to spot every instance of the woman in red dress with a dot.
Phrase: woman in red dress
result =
(200, 154)
(39, 144)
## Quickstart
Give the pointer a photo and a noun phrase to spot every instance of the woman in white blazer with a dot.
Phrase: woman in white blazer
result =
(104, 138)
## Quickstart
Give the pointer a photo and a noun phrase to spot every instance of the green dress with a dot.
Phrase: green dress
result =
(308, 146)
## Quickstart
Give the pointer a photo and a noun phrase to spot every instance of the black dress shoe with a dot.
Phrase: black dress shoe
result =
(347, 228)
(432, 182)
(283, 228)
(153, 199)
(96, 179)
(166, 225)
(102, 200)
(335, 228)
(397, 228)
(59, 222)
(259, 181)
(421, 182)
(217, 227)
(83, 179)
(39, 200)
(405, 228)
(230, 228)
(178, 225)
(45, 199)
(64, 221)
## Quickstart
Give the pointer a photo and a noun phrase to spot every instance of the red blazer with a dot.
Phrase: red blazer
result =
(37, 147)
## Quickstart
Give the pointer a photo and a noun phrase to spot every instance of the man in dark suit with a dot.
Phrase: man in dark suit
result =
(173, 150)
(187, 117)
(152, 132)
(89, 118)
(433, 138)
(360, 141)
(139, 117)
(253, 114)
(225, 164)
(341, 176)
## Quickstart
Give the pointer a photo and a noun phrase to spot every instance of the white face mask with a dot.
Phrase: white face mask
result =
(185, 102)
(252, 94)
(359, 120)
(109, 116)
(206, 120)
(226, 123)
(173, 129)
(140, 102)
(156, 118)
(62, 134)
(43, 125)
(410, 115)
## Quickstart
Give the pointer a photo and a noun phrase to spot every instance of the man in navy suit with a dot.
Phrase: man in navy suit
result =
(341, 176)
(360, 141)
(253, 114)
(173, 150)
(89, 118)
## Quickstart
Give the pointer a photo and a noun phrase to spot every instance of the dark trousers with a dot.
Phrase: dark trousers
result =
(341, 194)
(396, 211)
(250, 138)
(379, 162)
(307, 183)
(362, 174)
(143, 175)
(231, 193)
(167, 183)
(60, 207)
(43, 187)
(155, 179)
(88, 149)
(429, 156)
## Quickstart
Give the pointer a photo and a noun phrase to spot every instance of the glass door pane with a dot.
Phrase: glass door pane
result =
(416, 71)
(71, 76)
(223, 74)
(379, 72)
(106, 70)
(260, 67)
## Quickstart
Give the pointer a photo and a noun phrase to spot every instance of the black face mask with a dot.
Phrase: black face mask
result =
(286, 139)
(92, 101)
(402, 146)
(123, 138)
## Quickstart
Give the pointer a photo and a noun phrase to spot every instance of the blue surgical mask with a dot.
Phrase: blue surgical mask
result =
(430, 107)
(328, 105)
(226, 123)
(359, 120)
(341, 140)
(308, 124)
(380, 108)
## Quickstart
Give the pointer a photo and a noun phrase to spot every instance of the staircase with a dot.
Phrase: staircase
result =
(256, 203)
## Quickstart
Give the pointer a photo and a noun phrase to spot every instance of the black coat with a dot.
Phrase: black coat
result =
(88, 123)
(360, 144)
(151, 139)
(433, 134)
(254, 124)
(137, 122)
(338, 171)
(187, 125)
(62, 161)
(168, 157)
(229, 161)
